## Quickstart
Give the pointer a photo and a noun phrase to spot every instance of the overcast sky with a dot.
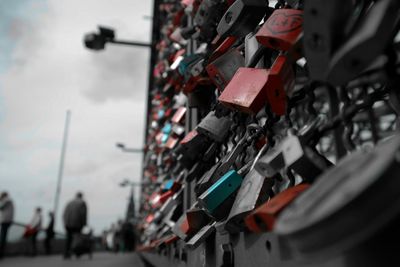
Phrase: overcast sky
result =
(45, 70)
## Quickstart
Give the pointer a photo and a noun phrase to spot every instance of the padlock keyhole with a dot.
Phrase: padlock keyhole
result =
(228, 17)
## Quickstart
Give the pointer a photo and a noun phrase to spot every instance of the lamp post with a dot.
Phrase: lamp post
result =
(97, 40)
(128, 149)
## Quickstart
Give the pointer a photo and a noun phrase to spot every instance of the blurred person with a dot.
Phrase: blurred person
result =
(128, 236)
(49, 234)
(75, 218)
(6, 218)
(33, 229)
(118, 239)
(110, 238)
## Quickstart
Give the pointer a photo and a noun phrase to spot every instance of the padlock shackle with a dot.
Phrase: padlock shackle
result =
(257, 57)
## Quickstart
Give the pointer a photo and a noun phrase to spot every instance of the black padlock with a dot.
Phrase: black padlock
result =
(242, 17)
(253, 191)
(200, 236)
(366, 43)
(324, 30)
(206, 180)
(224, 67)
(206, 19)
(215, 128)
(348, 204)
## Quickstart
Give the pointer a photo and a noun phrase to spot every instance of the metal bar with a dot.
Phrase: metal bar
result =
(130, 43)
(61, 166)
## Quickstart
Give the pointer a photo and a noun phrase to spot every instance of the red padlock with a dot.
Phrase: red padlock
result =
(263, 218)
(246, 90)
(250, 89)
(179, 115)
(171, 142)
(280, 84)
(282, 29)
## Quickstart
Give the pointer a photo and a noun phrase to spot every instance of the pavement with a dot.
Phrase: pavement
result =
(102, 259)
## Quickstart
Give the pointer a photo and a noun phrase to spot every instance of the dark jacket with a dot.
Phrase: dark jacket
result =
(75, 214)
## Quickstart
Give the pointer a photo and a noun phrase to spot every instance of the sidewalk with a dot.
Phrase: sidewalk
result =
(99, 260)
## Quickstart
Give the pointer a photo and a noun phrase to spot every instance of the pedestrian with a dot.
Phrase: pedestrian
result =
(75, 218)
(33, 229)
(6, 218)
(49, 234)
(128, 236)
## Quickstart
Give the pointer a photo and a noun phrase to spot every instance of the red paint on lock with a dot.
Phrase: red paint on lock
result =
(222, 48)
(245, 92)
(263, 218)
(280, 84)
(282, 29)
(192, 134)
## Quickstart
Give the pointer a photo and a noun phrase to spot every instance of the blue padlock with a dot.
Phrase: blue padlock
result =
(220, 193)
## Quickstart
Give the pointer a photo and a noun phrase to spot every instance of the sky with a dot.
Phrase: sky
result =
(44, 71)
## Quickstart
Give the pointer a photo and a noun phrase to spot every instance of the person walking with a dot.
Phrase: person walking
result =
(75, 218)
(6, 218)
(34, 227)
(49, 234)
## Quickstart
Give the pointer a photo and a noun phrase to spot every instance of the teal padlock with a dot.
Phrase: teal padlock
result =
(217, 199)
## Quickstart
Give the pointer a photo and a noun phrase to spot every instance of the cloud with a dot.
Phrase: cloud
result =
(49, 72)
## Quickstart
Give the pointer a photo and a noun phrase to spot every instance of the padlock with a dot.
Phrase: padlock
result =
(242, 17)
(215, 128)
(220, 193)
(206, 19)
(206, 180)
(293, 153)
(225, 45)
(173, 215)
(200, 236)
(190, 223)
(172, 185)
(224, 67)
(179, 115)
(282, 29)
(167, 128)
(250, 89)
(171, 142)
(161, 198)
(304, 160)
(360, 194)
(324, 30)
(263, 218)
(195, 77)
(253, 191)
(367, 42)
(178, 129)
(191, 147)
(251, 46)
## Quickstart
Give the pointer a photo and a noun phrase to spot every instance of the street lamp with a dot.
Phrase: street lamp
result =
(128, 149)
(97, 40)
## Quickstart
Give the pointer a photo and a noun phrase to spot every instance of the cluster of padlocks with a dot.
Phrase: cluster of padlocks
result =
(273, 117)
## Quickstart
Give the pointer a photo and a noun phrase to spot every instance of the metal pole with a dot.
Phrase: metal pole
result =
(130, 43)
(61, 166)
